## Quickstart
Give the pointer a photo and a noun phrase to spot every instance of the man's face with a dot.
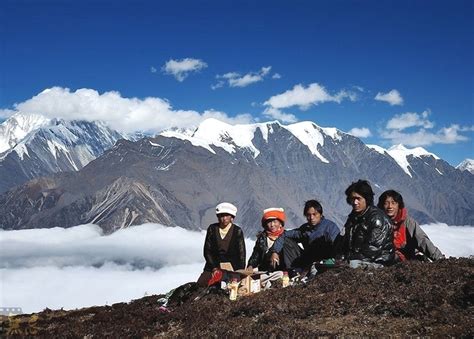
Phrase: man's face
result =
(391, 207)
(312, 216)
(224, 219)
(358, 202)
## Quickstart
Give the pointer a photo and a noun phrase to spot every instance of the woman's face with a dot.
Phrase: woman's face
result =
(312, 216)
(273, 225)
(391, 207)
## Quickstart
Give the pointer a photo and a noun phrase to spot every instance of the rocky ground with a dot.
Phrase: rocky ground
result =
(415, 299)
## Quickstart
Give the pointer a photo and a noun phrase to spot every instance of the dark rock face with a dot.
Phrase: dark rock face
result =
(170, 181)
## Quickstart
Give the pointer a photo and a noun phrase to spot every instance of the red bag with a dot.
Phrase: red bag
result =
(216, 278)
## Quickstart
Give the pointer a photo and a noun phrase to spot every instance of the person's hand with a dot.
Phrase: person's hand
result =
(274, 260)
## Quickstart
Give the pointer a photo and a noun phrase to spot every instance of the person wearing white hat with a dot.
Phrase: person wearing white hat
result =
(224, 243)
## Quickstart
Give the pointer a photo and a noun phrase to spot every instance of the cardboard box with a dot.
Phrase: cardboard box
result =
(249, 283)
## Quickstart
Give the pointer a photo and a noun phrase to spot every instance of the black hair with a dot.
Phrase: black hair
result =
(314, 204)
(393, 194)
(363, 188)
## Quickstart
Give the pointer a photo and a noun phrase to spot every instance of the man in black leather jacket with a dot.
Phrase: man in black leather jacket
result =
(368, 239)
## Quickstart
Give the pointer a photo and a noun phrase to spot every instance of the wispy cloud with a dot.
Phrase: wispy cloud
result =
(362, 132)
(422, 137)
(153, 69)
(393, 97)
(125, 114)
(409, 119)
(276, 76)
(305, 97)
(180, 69)
(234, 79)
(415, 129)
(275, 113)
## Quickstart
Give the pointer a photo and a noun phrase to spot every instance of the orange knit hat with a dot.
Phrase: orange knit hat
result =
(273, 213)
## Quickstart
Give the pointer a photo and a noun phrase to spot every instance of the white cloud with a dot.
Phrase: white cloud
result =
(393, 97)
(275, 113)
(407, 120)
(455, 241)
(265, 70)
(6, 113)
(446, 135)
(363, 132)
(235, 79)
(467, 129)
(49, 267)
(180, 69)
(395, 131)
(153, 69)
(218, 85)
(125, 114)
(276, 76)
(305, 97)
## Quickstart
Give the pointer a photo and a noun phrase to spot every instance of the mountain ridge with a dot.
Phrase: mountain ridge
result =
(186, 182)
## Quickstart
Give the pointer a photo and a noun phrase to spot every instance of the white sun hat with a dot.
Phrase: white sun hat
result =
(226, 207)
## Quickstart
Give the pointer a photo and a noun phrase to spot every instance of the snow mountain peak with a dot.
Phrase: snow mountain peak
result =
(17, 127)
(466, 165)
(213, 132)
(400, 154)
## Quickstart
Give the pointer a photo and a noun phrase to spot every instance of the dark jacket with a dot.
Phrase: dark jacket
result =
(235, 253)
(369, 237)
(261, 254)
(322, 241)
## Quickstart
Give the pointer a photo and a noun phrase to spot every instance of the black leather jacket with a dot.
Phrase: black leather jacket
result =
(369, 237)
(235, 253)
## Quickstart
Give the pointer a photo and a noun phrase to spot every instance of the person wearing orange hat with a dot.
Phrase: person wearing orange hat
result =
(273, 223)
(224, 244)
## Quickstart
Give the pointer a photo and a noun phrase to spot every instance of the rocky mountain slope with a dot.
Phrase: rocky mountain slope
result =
(178, 177)
(32, 146)
(405, 300)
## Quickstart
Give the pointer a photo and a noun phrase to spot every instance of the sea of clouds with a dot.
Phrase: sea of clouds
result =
(80, 266)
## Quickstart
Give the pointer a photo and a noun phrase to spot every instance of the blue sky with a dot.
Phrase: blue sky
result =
(246, 61)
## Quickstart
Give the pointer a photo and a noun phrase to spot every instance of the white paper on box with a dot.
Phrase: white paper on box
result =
(255, 286)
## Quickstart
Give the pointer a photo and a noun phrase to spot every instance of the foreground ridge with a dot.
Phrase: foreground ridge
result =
(415, 298)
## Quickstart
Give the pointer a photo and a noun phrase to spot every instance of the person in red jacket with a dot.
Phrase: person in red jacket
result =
(409, 239)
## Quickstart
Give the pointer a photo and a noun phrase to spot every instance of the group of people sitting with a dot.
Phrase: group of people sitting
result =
(373, 236)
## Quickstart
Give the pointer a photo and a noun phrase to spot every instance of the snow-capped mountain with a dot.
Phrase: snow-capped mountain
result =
(213, 132)
(38, 146)
(401, 154)
(178, 177)
(466, 165)
(17, 127)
